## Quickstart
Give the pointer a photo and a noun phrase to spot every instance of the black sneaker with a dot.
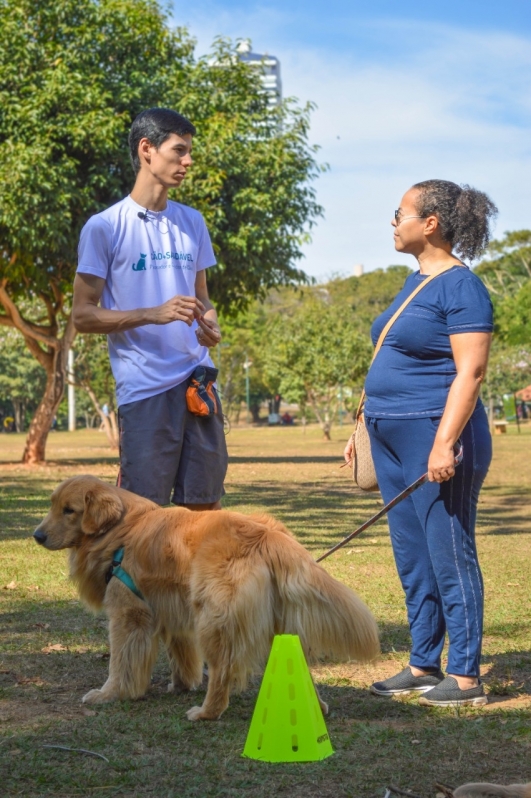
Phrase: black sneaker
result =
(405, 682)
(449, 694)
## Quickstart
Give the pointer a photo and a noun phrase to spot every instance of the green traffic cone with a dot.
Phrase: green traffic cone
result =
(287, 723)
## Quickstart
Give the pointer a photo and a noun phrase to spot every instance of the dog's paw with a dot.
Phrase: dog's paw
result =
(179, 687)
(96, 697)
(195, 713)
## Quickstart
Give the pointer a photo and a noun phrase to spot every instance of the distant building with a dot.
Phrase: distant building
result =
(270, 67)
(358, 269)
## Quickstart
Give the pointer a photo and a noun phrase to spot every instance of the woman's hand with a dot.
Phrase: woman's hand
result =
(348, 451)
(441, 463)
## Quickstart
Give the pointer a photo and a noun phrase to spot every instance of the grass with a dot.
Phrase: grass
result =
(52, 650)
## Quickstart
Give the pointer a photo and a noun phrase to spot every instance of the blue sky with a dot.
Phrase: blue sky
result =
(405, 91)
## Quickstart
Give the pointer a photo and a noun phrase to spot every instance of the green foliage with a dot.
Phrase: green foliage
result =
(74, 75)
(509, 370)
(507, 274)
(513, 317)
(244, 336)
(314, 355)
(368, 295)
(21, 378)
(92, 368)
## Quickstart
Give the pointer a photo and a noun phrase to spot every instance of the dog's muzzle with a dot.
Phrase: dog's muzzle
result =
(40, 536)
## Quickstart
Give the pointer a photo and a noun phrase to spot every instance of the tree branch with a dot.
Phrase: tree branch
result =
(27, 329)
(6, 321)
(44, 358)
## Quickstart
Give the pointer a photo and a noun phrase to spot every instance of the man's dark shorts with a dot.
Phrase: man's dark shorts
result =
(166, 452)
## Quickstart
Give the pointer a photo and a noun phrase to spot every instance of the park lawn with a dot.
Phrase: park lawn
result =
(52, 650)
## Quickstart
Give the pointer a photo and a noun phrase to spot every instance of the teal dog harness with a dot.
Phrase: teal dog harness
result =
(116, 570)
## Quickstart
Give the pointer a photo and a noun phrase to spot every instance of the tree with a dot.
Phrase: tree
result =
(368, 295)
(507, 274)
(93, 375)
(244, 340)
(73, 75)
(313, 355)
(21, 377)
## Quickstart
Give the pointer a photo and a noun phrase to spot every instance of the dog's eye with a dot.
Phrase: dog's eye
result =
(68, 510)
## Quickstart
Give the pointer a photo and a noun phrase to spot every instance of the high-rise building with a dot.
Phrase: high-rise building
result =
(270, 66)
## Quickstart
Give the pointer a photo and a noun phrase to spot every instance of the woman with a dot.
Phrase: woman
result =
(422, 398)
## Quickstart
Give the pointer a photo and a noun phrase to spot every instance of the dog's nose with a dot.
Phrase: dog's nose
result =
(40, 536)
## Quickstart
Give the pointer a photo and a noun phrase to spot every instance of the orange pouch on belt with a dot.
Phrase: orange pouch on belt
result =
(201, 399)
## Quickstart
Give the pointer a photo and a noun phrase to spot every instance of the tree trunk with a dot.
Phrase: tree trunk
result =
(55, 364)
(324, 419)
(51, 352)
(255, 413)
(19, 407)
(108, 422)
(35, 449)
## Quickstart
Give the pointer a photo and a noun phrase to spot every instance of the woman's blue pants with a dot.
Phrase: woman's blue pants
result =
(432, 534)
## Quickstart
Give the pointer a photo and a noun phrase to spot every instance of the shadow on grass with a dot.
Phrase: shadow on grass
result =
(287, 459)
(319, 515)
(510, 513)
(154, 750)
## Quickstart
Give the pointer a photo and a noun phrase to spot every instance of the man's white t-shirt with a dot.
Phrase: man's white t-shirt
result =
(145, 262)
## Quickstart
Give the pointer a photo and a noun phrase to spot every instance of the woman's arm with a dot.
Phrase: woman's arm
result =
(471, 353)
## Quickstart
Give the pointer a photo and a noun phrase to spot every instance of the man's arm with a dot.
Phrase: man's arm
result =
(209, 333)
(90, 318)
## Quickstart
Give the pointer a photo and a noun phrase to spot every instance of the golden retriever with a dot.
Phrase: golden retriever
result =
(493, 791)
(216, 588)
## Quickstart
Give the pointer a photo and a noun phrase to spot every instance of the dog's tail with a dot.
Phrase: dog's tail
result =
(493, 791)
(330, 619)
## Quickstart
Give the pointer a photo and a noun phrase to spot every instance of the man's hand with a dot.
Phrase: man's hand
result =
(90, 318)
(208, 332)
(178, 308)
(441, 463)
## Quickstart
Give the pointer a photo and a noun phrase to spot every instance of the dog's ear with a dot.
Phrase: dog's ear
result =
(103, 509)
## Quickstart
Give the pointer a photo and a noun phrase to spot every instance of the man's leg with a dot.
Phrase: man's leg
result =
(203, 462)
(151, 438)
(200, 507)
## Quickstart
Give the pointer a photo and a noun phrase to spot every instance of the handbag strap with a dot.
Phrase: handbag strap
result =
(392, 320)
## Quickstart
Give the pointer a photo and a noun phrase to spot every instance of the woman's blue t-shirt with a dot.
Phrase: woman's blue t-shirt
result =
(413, 371)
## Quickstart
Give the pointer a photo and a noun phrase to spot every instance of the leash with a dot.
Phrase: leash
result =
(401, 496)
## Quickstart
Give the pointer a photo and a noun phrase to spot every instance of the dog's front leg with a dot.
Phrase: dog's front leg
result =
(133, 645)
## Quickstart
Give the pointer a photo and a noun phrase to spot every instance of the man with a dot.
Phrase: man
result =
(141, 279)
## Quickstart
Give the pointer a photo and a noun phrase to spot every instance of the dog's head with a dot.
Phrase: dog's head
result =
(81, 506)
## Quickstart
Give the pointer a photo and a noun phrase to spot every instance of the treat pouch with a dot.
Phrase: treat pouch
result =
(201, 398)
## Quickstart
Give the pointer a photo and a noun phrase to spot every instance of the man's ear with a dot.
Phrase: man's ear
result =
(103, 509)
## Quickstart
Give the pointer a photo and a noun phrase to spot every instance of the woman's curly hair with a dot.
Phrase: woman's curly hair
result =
(464, 214)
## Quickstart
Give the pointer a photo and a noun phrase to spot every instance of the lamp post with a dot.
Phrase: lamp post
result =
(71, 392)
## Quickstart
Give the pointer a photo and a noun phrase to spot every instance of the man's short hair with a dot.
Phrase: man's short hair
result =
(156, 125)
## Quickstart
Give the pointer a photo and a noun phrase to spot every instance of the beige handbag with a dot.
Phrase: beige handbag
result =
(363, 471)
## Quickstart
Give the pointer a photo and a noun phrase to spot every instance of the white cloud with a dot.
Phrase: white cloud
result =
(436, 102)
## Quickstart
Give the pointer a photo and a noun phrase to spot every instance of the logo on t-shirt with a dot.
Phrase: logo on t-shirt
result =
(141, 265)
(177, 260)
